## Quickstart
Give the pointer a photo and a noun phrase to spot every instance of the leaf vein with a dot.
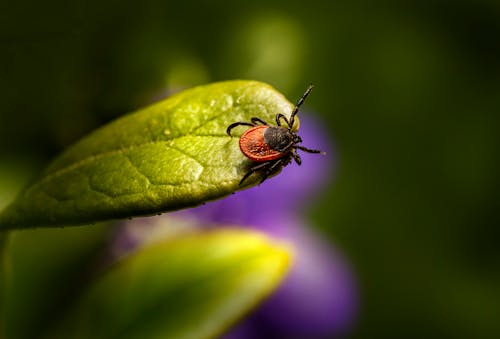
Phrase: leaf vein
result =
(148, 181)
(93, 158)
(215, 117)
(186, 154)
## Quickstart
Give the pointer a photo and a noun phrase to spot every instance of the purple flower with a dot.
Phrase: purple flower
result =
(317, 300)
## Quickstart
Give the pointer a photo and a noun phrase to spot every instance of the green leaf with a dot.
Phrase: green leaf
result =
(194, 286)
(170, 155)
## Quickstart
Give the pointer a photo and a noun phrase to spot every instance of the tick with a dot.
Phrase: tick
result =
(271, 147)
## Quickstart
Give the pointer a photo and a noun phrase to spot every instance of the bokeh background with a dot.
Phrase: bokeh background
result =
(408, 90)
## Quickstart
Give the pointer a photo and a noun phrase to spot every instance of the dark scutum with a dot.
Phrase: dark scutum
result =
(278, 138)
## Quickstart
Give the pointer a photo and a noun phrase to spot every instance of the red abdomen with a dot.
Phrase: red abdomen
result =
(253, 146)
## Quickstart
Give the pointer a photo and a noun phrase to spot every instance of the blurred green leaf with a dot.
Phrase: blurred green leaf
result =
(41, 273)
(167, 156)
(194, 286)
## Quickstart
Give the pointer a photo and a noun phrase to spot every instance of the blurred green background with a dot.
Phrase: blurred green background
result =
(410, 91)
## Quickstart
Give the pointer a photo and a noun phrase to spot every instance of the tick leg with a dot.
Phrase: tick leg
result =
(302, 148)
(296, 157)
(299, 103)
(240, 123)
(286, 147)
(254, 169)
(258, 120)
(280, 116)
(270, 170)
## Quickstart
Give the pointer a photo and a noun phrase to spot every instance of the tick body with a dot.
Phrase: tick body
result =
(265, 143)
(271, 147)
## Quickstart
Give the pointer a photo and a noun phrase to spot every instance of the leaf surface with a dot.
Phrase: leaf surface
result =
(167, 156)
